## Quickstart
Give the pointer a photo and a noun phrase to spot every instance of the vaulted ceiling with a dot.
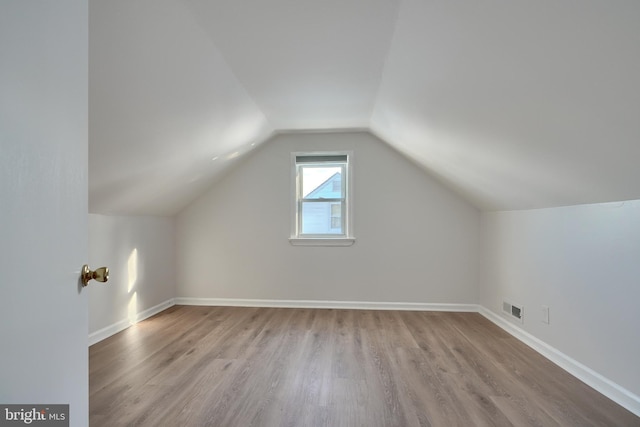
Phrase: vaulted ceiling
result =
(513, 104)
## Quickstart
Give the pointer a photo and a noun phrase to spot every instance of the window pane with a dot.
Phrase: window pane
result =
(319, 182)
(336, 216)
(319, 218)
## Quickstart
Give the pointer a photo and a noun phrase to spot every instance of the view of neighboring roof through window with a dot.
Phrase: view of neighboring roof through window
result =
(322, 192)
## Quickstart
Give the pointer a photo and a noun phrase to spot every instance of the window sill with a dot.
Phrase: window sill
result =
(322, 241)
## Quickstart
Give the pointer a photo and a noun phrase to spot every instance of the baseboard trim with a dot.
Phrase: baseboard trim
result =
(155, 310)
(351, 305)
(613, 391)
(104, 333)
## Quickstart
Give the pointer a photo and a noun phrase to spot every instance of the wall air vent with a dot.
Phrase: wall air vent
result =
(513, 310)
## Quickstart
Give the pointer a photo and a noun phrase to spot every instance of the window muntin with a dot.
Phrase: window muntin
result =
(321, 196)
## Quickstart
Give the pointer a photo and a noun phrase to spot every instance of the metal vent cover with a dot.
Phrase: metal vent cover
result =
(514, 311)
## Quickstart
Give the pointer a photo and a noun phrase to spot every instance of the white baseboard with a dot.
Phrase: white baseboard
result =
(352, 305)
(155, 310)
(104, 333)
(613, 391)
(113, 329)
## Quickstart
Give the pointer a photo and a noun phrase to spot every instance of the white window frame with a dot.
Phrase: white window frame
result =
(298, 239)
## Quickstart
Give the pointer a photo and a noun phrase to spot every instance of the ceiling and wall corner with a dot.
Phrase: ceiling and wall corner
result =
(163, 105)
(512, 105)
(517, 105)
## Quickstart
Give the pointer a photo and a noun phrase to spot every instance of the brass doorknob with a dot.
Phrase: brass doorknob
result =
(101, 274)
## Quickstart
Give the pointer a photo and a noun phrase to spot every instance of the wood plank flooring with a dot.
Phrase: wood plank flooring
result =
(229, 366)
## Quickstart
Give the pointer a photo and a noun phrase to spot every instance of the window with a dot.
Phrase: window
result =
(321, 201)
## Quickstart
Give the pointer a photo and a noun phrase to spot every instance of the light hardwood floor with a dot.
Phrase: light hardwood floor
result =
(240, 367)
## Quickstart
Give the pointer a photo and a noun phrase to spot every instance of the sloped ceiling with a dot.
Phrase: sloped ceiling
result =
(514, 105)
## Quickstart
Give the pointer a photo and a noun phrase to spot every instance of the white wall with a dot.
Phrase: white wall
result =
(140, 254)
(416, 241)
(584, 263)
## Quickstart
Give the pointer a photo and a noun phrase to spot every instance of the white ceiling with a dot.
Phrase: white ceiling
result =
(514, 105)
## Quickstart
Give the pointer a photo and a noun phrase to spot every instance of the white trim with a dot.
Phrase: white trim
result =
(351, 305)
(322, 241)
(104, 333)
(143, 315)
(603, 385)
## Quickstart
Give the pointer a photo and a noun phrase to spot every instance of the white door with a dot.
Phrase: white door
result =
(43, 204)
